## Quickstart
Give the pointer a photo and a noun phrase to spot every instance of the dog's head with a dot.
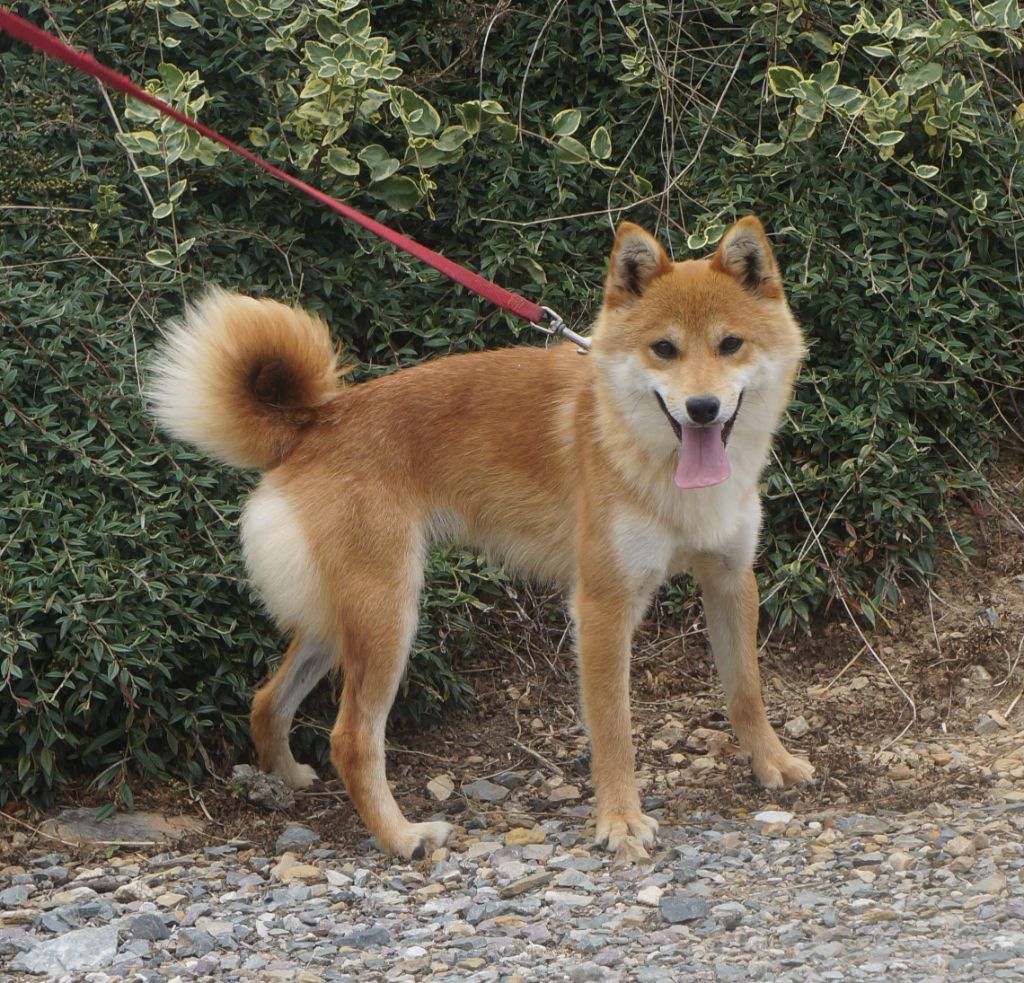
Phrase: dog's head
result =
(689, 351)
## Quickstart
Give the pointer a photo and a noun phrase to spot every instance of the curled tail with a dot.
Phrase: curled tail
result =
(239, 377)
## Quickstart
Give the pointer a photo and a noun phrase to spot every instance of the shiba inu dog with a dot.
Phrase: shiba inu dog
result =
(605, 474)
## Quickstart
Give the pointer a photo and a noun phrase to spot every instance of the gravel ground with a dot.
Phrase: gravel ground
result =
(932, 895)
(830, 882)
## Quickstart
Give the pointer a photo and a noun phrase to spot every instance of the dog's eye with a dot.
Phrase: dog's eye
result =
(664, 349)
(730, 345)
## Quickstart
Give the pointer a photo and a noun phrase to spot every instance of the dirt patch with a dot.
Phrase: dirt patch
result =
(927, 707)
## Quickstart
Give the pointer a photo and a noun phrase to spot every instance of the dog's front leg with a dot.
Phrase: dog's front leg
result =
(731, 605)
(605, 619)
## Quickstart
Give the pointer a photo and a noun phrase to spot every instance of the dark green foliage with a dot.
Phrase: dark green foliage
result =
(882, 150)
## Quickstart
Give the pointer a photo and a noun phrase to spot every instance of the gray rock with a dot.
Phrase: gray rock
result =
(367, 938)
(585, 972)
(56, 875)
(225, 850)
(570, 862)
(865, 825)
(15, 897)
(575, 879)
(728, 971)
(149, 926)
(143, 828)
(194, 942)
(511, 779)
(729, 914)
(677, 909)
(52, 921)
(295, 837)
(527, 883)
(266, 790)
(485, 790)
(81, 951)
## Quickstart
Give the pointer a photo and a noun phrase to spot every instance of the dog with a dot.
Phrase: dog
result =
(605, 474)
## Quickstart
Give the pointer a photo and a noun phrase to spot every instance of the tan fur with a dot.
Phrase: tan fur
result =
(556, 465)
(240, 378)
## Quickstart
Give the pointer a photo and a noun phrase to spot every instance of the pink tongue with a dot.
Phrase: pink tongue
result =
(702, 460)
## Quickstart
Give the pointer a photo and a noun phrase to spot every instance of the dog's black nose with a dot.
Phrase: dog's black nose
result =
(703, 409)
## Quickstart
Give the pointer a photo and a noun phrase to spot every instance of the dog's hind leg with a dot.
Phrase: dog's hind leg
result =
(273, 708)
(377, 618)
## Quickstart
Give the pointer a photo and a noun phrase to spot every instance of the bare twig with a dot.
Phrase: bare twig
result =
(849, 612)
(537, 756)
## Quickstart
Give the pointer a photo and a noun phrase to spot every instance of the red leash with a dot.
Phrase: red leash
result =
(505, 299)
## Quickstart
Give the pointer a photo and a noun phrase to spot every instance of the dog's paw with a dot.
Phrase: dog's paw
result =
(782, 770)
(297, 776)
(614, 827)
(416, 839)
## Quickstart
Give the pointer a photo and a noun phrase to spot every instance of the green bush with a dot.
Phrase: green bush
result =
(880, 144)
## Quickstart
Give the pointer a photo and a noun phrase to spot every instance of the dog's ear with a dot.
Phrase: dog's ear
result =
(636, 259)
(746, 254)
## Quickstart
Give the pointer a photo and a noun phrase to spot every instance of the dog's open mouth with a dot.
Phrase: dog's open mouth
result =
(702, 458)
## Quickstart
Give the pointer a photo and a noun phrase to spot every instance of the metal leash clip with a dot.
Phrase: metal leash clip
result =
(559, 329)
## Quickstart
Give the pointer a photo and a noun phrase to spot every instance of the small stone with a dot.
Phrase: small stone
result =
(995, 883)
(149, 926)
(677, 909)
(771, 816)
(797, 727)
(959, 846)
(538, 851)
(523, 837)
(288, 869)
(961, 865)
(527, 883)
(84, 950)
(900, 860)
(730, 914)
(728, 972)
(650, 895)
(564, 793)
(295, 837)
(485, 790)
(990, 723)
(50, 921)
(441, 787)
(511, 779)
(979, 677)
(264, 789)
(15, 897)
(130, 828)
(567, 898)
(900, 772)
(586, 972)
(367, 938)
(194, 942)
(941, 758)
